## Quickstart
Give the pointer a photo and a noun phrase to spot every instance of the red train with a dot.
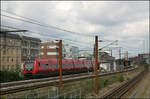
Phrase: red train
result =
(51, 67)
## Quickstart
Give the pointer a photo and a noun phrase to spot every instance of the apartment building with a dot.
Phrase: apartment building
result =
(16, 49)
(10, 47)
(70, 52)
(49, 50)
(30, 48)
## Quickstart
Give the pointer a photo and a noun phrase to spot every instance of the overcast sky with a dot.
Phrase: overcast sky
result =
(126, 21)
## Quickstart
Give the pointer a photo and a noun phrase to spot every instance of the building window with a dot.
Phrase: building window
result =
(18, 43)
(12, 67)
(7, 51)
(4, 51)
(52, 53)
(42, 46)
(3, 58)
(8, 68)
(12, 50)
(7, 58)
(12, 60)
(52, 47)
(12, 42)
(17, 60)
(16, 50)
(42, 53)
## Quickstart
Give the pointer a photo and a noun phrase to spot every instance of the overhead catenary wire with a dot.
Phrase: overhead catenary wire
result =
(33, 21)
(21, 20)
(72, 41)
(127, 47)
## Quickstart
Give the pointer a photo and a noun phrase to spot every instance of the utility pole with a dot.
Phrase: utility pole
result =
(143, 46)
(96, 64)
(120, 53)
(60, 63)
(127, 62)
(120, 56)
(111, 52)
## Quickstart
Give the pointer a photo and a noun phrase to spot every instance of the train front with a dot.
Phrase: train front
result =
(28, 68)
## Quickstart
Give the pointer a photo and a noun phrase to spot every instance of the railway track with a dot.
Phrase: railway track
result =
(14, 83)
(121, 90)
(12, 87)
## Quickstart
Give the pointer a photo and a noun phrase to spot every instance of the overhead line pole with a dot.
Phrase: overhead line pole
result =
(60, 63)
(120, 56)
(96, 64)
(127, 62)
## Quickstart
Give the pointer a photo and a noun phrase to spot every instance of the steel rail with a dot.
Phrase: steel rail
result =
(13, 83)
(124, 87)
(40, 84)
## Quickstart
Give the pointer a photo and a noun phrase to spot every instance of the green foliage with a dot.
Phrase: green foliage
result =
(6, 76)
(32, 94)
(106, 83)
(146, 65)
(17, 69)
(87, 85)
(3, 97)
(120, 78)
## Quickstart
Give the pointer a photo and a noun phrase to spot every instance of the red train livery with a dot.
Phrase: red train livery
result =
(51, 67)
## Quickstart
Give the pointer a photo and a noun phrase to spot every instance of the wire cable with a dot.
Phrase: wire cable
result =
(75, 42)
(39, 23)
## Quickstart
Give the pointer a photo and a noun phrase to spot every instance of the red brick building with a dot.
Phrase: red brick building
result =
(49, 50)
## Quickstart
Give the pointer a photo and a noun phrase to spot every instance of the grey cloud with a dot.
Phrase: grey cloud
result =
(111, 18)
(111, 14)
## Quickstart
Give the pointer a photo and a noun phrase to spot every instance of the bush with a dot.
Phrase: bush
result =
(106, 83)
(120, 78)
(6, 76)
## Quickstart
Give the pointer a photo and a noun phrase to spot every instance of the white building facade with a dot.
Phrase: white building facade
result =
(70, 52)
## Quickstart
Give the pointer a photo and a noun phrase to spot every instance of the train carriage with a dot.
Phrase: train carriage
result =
(51, 67)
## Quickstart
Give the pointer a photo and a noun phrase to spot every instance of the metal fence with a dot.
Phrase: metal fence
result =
(76, 94)
(54, 93)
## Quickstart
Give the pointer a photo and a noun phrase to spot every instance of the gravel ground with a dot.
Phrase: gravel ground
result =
(142, 89)
(104, 90)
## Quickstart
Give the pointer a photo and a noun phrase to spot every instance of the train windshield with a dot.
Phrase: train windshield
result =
(29, 66)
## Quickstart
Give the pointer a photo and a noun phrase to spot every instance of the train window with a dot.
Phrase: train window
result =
(64, 66)
(70, 65)
(80, 65)
(67, 66)
(54, 66)
(76, 65)
(29, 65)
(43, 65)
(57, 66)
(46, 65)
(49, 65)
